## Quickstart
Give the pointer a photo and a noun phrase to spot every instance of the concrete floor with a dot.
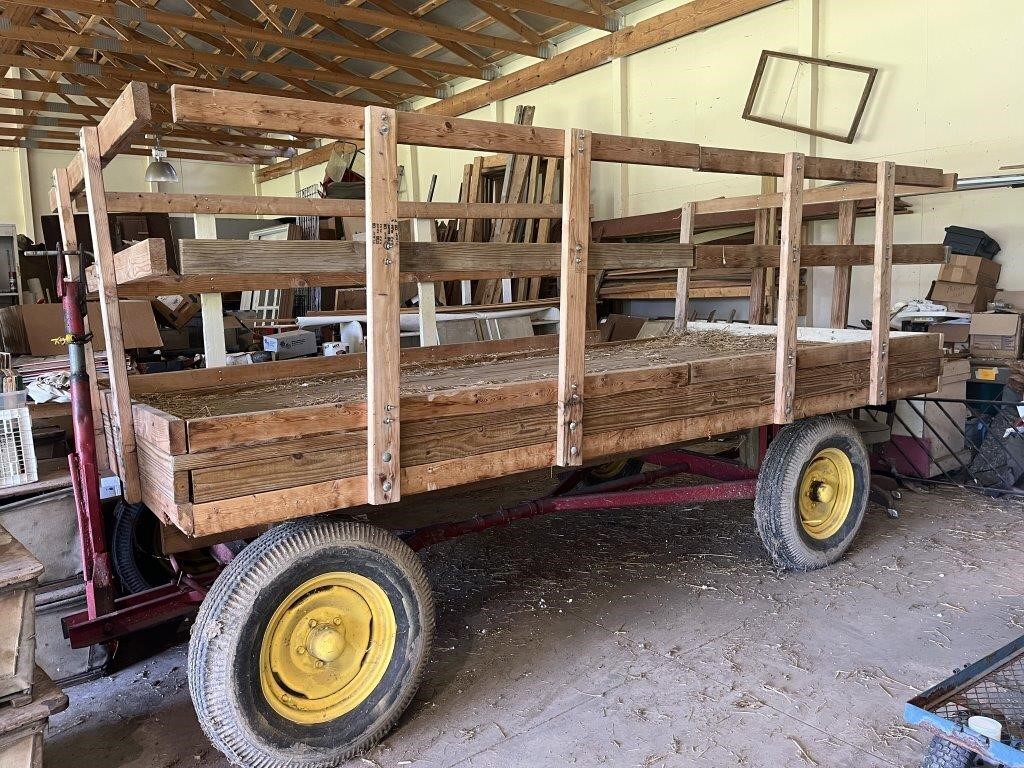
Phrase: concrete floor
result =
(658, 637)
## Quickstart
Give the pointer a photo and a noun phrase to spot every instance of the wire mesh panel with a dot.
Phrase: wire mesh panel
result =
(970, 443)
(17, 454)
(998, 693)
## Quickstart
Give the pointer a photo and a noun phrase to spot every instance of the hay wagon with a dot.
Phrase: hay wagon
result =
(312, 641)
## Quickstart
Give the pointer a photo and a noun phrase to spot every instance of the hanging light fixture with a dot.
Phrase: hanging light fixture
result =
(160, 169)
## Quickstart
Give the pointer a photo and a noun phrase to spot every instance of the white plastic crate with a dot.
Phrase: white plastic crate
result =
(17, 454)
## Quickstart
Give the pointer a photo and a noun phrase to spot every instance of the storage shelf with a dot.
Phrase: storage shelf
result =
(53, 475)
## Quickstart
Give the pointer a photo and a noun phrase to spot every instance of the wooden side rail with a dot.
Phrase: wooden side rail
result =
(246, 205)
(212, 266)
(214, 107)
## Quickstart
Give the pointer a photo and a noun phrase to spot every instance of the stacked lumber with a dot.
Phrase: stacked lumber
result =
(503, 179)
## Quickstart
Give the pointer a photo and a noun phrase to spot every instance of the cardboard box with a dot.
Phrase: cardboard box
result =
(1013, 299)
(237, 337)
(961, 297)
(174, 338)
(291, 344)
(970, 269)
(996, 334)
(31, 328)
(953, 331)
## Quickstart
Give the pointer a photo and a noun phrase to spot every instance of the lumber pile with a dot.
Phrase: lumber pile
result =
(504, 179)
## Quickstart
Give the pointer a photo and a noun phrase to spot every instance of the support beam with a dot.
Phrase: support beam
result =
(671, 25)
(252, 32)
(843, 274)
(121, 403)
(222, 108)
(789, 288)
(881, 286)
(683, 275)
(573, 297)
(211, 304)
(383, 470)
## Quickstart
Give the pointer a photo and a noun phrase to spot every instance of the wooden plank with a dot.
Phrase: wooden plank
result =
(111, 312)
(162, 431)
(764, 234)
(659, 29)
(382, 303)
(843, 274)
(143, 260)
(573, 297)
(224, 205)
(211, 303)
(789, 284)
(881, 285)
(296, 116)
(426, 292)
(128, 115)
(832, 193)
(683, 275)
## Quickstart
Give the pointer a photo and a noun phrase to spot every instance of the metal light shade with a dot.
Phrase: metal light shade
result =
(160, 169)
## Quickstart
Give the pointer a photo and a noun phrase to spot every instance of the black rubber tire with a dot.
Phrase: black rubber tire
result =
(223, 656)
(776, 505)
(594, 476)
(125, 552)
(946, 754)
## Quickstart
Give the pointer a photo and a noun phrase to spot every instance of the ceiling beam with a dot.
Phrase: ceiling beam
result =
(128, 75)
(248, 30)
(670, 25)
(71, 135)
(74, 147)
(555, 11)
(165, 52)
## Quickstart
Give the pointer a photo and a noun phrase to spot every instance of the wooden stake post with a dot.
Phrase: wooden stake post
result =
(789, 287)
(382, 306)
(121, 402)
(846, 225)
(686, 214)
(573, 297)
(881, 287)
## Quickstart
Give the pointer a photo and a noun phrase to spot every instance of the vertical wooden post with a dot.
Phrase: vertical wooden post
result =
(426, 293)
(573, 297)
(382, 307)
(686, 214)
(789, 287)
(764, 234)
(843, 274)
(881, 286)
(121, 403)
(211, 304)
(69, 240)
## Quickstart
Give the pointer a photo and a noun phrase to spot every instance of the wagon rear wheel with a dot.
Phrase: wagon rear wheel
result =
(812, 492)
(612, 470)
(311, 644)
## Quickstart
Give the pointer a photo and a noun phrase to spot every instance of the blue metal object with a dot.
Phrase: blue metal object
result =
(993, 687)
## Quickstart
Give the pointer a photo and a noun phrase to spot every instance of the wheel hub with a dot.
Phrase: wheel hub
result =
(826, 493)
(326, 647)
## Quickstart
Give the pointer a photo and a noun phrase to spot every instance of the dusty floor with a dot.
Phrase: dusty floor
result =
(661, 637)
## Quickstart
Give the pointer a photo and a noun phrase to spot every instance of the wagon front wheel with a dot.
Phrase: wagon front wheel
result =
(812, 492)
(310, 644)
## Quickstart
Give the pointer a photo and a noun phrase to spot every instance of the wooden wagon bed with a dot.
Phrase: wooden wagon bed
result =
(227, 449)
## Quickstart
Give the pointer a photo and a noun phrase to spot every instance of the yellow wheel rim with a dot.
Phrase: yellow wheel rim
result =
(327, 647)
(826, 493)
(609, 470)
